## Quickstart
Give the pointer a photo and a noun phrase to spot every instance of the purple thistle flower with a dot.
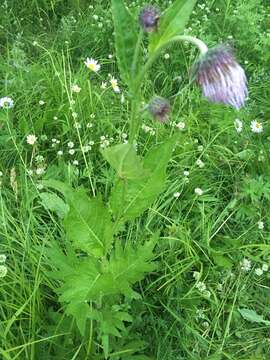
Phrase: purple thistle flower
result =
(222, 79)
(149, 18)
(159, 108)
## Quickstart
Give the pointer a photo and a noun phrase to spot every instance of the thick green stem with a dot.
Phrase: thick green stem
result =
(139, 79)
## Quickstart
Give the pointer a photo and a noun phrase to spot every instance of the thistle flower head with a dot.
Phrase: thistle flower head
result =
(159, 108)
(222, 79)
(149, 18)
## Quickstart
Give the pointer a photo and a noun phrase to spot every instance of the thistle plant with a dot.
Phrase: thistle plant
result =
(221, 78)
(98, 269)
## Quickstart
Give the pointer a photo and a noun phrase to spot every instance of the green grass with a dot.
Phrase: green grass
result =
(43, 46)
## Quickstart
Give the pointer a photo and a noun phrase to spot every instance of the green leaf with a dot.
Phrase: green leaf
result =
(54, 203)
(131, 198)
(124, 160)
(88, 224)
(252, 316)
(222, 261)
(81, 312)
(172, 23)
(126, 37)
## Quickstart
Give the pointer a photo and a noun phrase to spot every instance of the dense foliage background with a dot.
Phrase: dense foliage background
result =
(207, 297)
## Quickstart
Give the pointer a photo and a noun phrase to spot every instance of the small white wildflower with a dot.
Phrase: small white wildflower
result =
(91, 143)
(200, 148)
(258, 271)
(55, 118)
(95, 17)
(57, 141)
(196, 275)
(75, 88)
(92, 65)
(70, 144)
(41, 102)
(110, 56)
(205, 324)
(60, 153)
(264, 267)
(198, 191)
(6, 102)
(238, 124)
(40, 186)
(86, 148)
(114, 83)
(75, 162)
(100, 25)
(186, 173)
(89, 125)
(92, 116)
(256, 126)
(40, 171)
(124, 135)
(260, 225)
(103, 85)
(74, 115)
(200, 163)
(39, 158)
(30, 172)
(166, 56)
(200, 286)
(245, 265)
(176, 194)
(77, 125)
(31, 139)
(1, 173)
(3, 258)
(181, 125)
(71, 151)
(3, 271)
(102, 138)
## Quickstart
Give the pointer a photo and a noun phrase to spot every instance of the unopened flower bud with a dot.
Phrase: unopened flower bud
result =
(222, 79)
(159, 108)
(149, 18)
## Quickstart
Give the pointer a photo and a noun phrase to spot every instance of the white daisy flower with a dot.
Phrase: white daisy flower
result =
(70, 144)
(6, 102)
(166, 56)
(31, 139)
(256, 126)
(41, 102)
(260, 225)
(92, 65)
(200, 163)
(181, 125)
(114, 84)
(245, 265)
(176, 194)
(238, 124)
(75, 162)
(75, 88)
(198, 191)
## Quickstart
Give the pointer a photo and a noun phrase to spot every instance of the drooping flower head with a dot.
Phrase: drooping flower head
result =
(149, 18)
(159, 108)
(222, 79)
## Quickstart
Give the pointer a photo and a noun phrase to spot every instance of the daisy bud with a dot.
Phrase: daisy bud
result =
(222, 79)
(149, 18)
(159, 108)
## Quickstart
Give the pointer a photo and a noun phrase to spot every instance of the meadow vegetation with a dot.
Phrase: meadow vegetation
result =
(128, 236)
